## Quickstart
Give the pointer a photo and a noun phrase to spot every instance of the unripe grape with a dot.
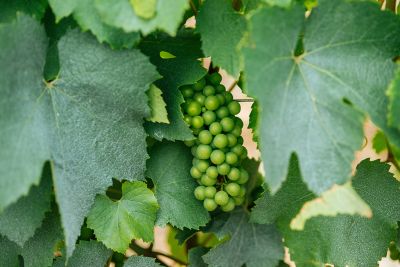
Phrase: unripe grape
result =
(244, 153)
(231, 158)
(207, 181)
(212, 172)
(209, 204)
(210, 191)
(215, 128)
(222, 112)
(226, 123)
(230, 206)
(242, 191)
(228, 97)
(197, 122)
(232, 140)
(187, 91)
(189, 142)
(220, 141)
(187, 119)
(199, 85)
(238, 200)
(221, 198)
(234, 108)
(199, 98)
(221, 99)
(238, 122)
(195, 173)
(232, 189)
(209, 117)
(240, 140)
(224, 169)
(237, 131)
(215, 78)
(199, 192)
(211, 102)
(197, 131)
(205, 137)
(244, 177)
(203, 151)
(234, 174)
(220, 88)
(202, 165)
(193, 108)
(193, 150)
(238, 149)
(217, 157)
(208, 90)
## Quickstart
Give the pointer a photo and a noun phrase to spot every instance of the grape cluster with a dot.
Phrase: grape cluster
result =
(218, 149)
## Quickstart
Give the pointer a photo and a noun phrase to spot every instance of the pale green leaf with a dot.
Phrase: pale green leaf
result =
(169, 168)
(116, 223)
(340, 199)
(250, 244)
(20, 220)
(379, 142)
(301, 98)
(145, 9)
(222, 29)
(394, 96)
(141, 261)
(119, 13)
(158, 107)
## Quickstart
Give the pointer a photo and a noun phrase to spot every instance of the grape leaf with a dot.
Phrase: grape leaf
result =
(394, 96)
(281, 3)
(88, 18)
(116, 223)
(195, 257)
(222, 29)
(89, 253)
(88, 122)
(120, 13)
(304, 99)
(8, 253)
(144, 9)
(9, 9)
(254, 121)
(251, 244)
(156, 102)
(344, 239)
(141, 261)
(169, 168)
(183, 69)
(379, 142)
(20, 220)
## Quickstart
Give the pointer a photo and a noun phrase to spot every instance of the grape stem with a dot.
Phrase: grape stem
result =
(245, 100)
(232, 86)
(193, 7)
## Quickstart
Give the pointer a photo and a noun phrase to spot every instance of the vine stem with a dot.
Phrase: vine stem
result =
(233, 86)
(245, 100)
(193, 7)
(392, 159)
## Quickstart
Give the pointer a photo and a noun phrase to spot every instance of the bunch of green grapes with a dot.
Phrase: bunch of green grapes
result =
(218, 148)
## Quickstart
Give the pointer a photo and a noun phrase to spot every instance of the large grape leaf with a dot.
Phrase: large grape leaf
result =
(250, 244)
(304, 99)
(88, 122)
(120, 13)
(9, 252)
(9, 9)
(394, 96)
(169, 168)
(141, 261)
(116, 223)
(222, 29)
(86, 15)
(20, 220)
(343, 240)
(195, 256)
(184, 68)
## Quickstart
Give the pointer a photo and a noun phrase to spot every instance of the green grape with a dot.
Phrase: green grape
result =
(208, 90)
(207, 180)
(244, 177)
(203, 151)
(210, 191)
(193, 108)
(212, 172)
(202, 165)
(231, 158)
(244, 153)
(221, 198)
(242, 191)
(220, 141)
(197, 122)
(234, 107)
(215, 78)
(189, 142)
(209, 204)
(220, 88)
(232, 140)
(194, 151)
(195, 173)
(199, 85)
(228, 97)
(187, 119)
(209, 117)
(230, 206)
(205, 137)
(238, 200)
(199, 98)
(238, 149)
(187, 91)
(211, 102)
(232, 189)
(197, 131)
(221, 99)
(234, 174)
(199, 192)
(222, 112)
(215, 128)
(224, 169)
(217, 157)
(238, 122)
(237, 131)
(226, 123)
(240, 140)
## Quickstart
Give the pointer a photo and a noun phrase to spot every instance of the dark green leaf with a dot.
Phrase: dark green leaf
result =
(140, 261)
(89, 253)
(8, 253)
(195, 257)
(394, 96)
(9, 9)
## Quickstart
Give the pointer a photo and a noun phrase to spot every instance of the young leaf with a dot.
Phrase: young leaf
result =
(157, 105)
(182, 69)
(251, 244)
(301, 97)
(141, 261)
(119, 13)
(222, 29)
(169, 167)
(116, 223)
(379, 142)
(394, 96)
(20, 220)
